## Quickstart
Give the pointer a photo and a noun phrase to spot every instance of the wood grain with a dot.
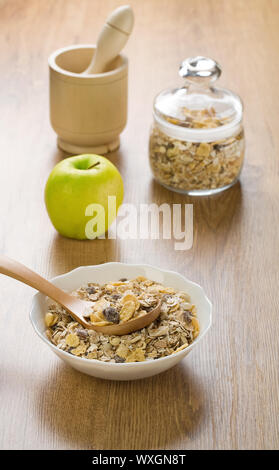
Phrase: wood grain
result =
(226, 394)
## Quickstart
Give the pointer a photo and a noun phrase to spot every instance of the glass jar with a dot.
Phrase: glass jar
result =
(196, 143)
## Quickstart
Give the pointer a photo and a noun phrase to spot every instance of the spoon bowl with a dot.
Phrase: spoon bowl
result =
(129, 326)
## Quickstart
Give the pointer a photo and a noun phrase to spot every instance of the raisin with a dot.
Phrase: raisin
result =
(111, 314)
(91, 290)
(218, 147)
(147, 308)
(116, 296)
(187, 316)
(167, 297)
(123, 279)
(82, 334)
(119, 359)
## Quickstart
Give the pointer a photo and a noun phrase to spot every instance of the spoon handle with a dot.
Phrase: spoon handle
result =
(21, 273)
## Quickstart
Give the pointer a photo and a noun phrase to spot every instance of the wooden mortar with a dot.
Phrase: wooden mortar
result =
(87, 112)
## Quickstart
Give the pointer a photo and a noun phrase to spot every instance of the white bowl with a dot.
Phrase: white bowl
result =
(103, 273)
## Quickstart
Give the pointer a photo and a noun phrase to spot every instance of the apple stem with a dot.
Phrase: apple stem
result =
(92, 166)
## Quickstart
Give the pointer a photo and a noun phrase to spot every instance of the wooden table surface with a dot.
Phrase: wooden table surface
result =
(225, 395)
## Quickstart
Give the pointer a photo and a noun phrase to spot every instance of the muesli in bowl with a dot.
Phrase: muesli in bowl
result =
(102, 274)
(118, 302)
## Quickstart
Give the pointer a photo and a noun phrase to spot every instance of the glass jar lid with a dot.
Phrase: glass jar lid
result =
(198, 111)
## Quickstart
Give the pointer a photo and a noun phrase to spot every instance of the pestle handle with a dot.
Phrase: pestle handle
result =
(112, 39)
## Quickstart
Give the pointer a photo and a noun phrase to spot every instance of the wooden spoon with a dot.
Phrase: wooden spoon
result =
(77, 308)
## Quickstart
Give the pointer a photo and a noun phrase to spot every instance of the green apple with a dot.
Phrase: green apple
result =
(76, 188)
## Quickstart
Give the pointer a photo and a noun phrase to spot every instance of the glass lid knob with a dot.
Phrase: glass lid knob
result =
(200, 70)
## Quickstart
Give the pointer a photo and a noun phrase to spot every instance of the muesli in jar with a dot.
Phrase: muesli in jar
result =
(197, 140)
(190, 166)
